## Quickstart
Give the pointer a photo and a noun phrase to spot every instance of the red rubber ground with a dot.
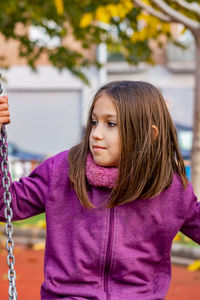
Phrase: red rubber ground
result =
(185, 285)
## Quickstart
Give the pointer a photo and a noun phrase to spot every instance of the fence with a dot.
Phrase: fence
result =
(20, 168)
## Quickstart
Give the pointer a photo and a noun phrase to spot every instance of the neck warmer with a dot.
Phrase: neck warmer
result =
(98, 175)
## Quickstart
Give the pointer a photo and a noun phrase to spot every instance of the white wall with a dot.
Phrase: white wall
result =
(45, 121)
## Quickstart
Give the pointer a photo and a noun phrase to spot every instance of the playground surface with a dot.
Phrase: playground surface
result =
(29, 268)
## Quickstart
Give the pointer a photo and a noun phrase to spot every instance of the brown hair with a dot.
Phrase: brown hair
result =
(147, 164)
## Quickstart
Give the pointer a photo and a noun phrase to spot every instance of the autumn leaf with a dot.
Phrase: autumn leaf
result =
(195, 266)
(59, 6)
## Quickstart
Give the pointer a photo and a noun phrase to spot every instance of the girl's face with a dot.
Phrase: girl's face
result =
(105, 144)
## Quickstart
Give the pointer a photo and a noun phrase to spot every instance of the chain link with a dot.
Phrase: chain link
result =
(8, 215)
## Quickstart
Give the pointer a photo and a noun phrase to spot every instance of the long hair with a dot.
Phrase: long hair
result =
(147, 163)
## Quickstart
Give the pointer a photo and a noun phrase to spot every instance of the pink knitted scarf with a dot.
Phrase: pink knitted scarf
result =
(100, 176)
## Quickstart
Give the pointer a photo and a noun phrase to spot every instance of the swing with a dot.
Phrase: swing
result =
(8, 214)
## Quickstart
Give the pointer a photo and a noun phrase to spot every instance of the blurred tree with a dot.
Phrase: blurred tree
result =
(90, 22)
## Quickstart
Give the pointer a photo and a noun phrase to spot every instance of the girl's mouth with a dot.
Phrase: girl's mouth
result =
(98, 148)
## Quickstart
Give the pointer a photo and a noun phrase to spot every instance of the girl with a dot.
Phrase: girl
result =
(114, 202)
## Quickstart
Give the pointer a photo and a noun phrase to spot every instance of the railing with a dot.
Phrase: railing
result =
(20, 168)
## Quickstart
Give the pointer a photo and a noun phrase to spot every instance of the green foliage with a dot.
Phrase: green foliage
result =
(116, 22)
(43, 15)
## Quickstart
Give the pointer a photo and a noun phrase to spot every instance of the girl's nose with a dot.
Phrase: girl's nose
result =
(97, 133)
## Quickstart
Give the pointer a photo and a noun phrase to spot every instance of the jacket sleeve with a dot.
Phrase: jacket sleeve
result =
(191, 226)
(29, 193)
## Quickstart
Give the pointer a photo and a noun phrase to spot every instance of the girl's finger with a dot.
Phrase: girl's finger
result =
(5, 113)
(4, 120)
(4, 106)
(4, 99)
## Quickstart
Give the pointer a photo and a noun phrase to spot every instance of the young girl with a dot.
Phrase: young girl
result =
(114, 202)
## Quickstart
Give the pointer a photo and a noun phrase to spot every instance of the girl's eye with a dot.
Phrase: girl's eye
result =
(94, 123)
(112, 124)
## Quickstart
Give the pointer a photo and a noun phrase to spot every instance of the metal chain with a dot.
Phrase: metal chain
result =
(8, 215)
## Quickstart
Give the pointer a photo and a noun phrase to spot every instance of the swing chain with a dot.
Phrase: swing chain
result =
(8, 215)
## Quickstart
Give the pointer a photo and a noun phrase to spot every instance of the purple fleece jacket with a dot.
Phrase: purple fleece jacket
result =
(121, 253)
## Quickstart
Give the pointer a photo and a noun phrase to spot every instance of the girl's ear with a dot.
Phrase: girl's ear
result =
(155, 131)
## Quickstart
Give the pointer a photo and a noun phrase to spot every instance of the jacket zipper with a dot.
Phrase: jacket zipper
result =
(109, 252)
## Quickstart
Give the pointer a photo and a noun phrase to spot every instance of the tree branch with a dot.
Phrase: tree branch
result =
(152, 11)
(177, 16)
(195, 7)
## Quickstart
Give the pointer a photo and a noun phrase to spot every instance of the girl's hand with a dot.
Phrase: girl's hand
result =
(4, 111)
